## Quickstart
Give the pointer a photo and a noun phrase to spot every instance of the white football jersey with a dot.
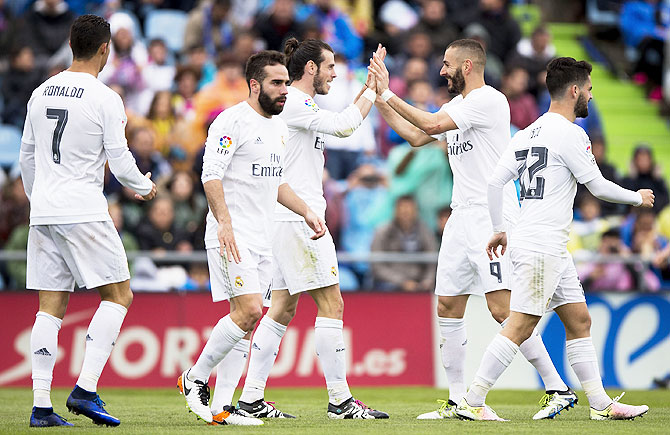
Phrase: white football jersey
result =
(247, 148)
(303, 160)
(483, 134)
(549, 157)
(72, 118)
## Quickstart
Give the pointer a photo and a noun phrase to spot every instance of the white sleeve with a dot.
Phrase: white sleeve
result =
(474, 112)
(27, 164)
(501, 176)
(222, 141)
(123, 166)
(308, 116)
(577, 156)
(604, 189)
(27, 154)
(114, 122)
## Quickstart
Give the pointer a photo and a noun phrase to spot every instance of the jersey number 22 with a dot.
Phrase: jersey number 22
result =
(533, 186)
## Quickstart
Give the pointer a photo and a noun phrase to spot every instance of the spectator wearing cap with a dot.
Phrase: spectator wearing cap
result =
(645, 174)
(533, 54)
(406, 234)
(127, 57)
(494, 68)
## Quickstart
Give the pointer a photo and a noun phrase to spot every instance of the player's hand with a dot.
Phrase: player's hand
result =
(371, 82)
(378, 68)
(149, 196)
(227, 244)
(647, 198)
(498, 239)
(315, 223)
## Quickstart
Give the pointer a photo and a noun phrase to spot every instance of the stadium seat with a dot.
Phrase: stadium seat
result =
(10, 145)
(168, 25)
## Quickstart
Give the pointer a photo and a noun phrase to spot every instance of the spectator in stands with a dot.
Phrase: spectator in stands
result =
(424, 173)
(278, 24)
(46, 27)
(588, 224)
(365, 207)
(127, 239)
(336, 28)
(435, 22)
(420, 94)
(210, 26)
(197, 57)
(186, 84)
(392, 31)
(161, 117)
(614, 276)
(407, 234)
(228, 89)
(190, 206)
(645, 174)
(159, 73)
(523, 109)
(533, 54)
(141, 144)
(645, 25)
(645, 239)
(14, 206)
(128, 56)
(158, 232)
(18, 84)
(504, 30)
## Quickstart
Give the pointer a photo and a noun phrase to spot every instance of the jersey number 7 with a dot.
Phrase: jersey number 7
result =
(527, 189)
(60, 115)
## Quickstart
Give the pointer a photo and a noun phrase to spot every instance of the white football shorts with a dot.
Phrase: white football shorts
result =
(542, 282)
(88, 253)
(252, 275)
(463, 268)
(300, 263)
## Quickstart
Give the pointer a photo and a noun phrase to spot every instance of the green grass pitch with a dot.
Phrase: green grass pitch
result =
(162, 411)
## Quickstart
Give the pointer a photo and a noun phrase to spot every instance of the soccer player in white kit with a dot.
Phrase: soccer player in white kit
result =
(302, 264)
(243, 180)
(476, 126)
(549, 158)
(75, 124)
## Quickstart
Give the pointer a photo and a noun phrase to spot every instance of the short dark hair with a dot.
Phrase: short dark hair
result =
(256, 64)
(566, 71)
(299, 53)
(473, 50)
(87, 34)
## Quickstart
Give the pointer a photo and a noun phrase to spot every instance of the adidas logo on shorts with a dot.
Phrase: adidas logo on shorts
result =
(42, 351)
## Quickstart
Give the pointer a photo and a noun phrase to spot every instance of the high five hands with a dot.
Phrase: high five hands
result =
(378, 70)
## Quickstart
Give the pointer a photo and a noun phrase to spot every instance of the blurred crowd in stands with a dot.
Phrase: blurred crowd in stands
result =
(178, 63)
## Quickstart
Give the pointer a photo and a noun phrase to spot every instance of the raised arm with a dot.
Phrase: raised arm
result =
(414, 136)
(431, 123)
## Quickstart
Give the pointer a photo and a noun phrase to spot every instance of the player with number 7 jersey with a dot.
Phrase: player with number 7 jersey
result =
(74, 125)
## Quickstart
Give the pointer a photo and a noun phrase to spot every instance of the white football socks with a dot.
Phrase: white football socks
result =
(498, 356)
(43, 353)
(535, 352)
(583, 360)
(453, 341)
(329, 343)
(100, 339)
(228, 374)
(263, 354)
(225, 335)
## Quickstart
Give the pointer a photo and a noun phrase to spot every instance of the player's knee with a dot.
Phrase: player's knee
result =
(499, 314)
(580, 326)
